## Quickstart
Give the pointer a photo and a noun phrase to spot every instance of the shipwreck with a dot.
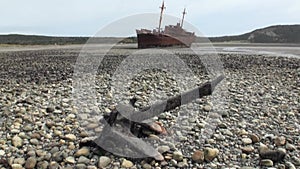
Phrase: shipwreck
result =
(171, 35)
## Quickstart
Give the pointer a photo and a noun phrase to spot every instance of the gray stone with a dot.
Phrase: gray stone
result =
(177, 155)
(70, 160)
(30, 163)
(58, 156)
(290, 147)
(219, 137)
(104, 161)
(47, 156)
(246, 141)
(17, 141)
(80, 166)
(173, 162)
(43, 164)
(34, 141)
(57, 111)
(54, 150)
(31, 153)
(84, 160)
(54, 165)
(126, 164)
(49, 124)
(207, 108)
(91, 167)
(182, 165)
(280, 166)
(71, 137)
(40, 153)
(163, 149)
(147, 166)
(15, 131)
(290, 165)
(28, 128)
(295, 160)
(19, 161)
(266, 162)
(16, 166)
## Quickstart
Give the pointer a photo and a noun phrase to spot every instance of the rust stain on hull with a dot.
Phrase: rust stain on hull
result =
(150, 40)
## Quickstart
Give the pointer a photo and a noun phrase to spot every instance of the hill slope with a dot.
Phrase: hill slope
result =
(40, 40)
(272, 34)
(52, 40)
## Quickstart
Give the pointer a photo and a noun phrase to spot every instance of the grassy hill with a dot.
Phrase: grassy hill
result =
(40, 40)
(18, 39)
(272, 34)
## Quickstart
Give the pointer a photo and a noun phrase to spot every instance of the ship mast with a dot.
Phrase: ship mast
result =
(161, 13)
(183, 13)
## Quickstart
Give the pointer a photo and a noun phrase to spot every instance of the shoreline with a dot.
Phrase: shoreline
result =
(278, 50)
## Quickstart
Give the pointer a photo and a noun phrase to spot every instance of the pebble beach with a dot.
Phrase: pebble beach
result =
(257, 126)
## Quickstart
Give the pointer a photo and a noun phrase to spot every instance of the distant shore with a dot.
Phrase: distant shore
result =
(274, 34)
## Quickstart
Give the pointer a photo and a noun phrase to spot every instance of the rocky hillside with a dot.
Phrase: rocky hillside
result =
(272, 34)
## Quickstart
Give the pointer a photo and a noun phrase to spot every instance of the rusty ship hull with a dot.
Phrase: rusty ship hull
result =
(151, 40)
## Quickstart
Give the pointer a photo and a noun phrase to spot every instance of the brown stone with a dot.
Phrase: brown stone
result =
(198, 156)
(84, 151)
(255, 138)
(35, 135)
(247, 149)
(126, 164)
(210, 154)
(157, 127)
(280, 141)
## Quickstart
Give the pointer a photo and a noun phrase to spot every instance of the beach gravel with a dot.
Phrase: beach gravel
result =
(256, 125)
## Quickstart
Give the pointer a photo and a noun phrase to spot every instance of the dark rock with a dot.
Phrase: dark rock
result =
(274, 155)
(50, 109)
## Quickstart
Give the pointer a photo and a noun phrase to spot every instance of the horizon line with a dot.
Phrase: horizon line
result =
(89, 36)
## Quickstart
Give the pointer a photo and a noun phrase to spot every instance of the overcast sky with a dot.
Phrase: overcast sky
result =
(86, 17)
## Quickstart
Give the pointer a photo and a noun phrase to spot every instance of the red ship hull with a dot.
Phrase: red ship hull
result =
(150, 40)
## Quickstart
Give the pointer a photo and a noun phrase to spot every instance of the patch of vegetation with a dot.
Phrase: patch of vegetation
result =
(17, 39)
(272, 34)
